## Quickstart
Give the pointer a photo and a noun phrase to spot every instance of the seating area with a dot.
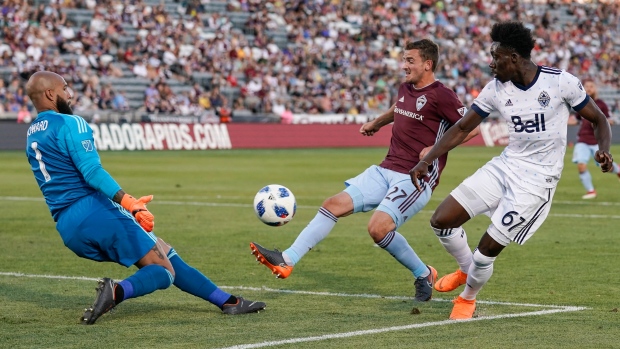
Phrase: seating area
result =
(212, 57)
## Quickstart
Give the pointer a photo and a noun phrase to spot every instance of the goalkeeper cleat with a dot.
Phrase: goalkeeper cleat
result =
(272, 260)
(424, 286)
(463, 309)
(243, 306)
(104, 301)
(451, 281)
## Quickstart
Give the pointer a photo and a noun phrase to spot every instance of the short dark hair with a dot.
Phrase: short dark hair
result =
(428, 50)
(514, 35)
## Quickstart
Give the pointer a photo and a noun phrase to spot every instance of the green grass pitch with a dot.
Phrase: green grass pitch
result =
(346, 293)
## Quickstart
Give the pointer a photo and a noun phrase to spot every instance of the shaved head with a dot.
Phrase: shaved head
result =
(49, 91)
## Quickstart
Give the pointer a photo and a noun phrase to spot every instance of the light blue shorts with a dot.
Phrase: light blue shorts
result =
(583, 152)
(387, 191)
(99, 229)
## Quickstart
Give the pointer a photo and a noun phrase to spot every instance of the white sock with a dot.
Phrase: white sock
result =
(455, 242)
(480, 272)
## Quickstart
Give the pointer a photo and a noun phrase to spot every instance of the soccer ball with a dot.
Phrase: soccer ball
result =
(275, 205)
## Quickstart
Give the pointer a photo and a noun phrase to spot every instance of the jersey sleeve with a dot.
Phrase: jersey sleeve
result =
(80, 146)
(486, 102)
(572, 91)
(450, 107)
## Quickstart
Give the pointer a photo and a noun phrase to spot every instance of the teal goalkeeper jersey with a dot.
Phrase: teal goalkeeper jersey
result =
(62, 155)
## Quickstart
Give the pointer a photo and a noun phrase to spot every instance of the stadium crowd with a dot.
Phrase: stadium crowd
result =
(339, 57)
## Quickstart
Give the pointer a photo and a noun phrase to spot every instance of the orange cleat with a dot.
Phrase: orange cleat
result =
(463, 309)
(451, 281)
(272, 260)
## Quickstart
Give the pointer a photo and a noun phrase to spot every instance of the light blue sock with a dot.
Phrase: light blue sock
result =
(318, 228)
(190, 280)
(399, 248)
(586, 180)
(146, 280)
(615, 168)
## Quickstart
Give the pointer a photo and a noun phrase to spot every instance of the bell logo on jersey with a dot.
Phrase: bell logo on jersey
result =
(420, 102)
(530, 126)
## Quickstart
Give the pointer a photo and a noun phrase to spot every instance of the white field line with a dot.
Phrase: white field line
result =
(397, 328)
(224, 204)
(553, 309)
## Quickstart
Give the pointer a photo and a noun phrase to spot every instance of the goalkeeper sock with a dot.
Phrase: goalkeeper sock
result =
(146, 280)
(313, 233)
(190, 280)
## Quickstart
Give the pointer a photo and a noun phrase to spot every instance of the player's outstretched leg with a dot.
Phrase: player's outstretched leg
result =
(109, 293)
(192, 281)
(272, 260)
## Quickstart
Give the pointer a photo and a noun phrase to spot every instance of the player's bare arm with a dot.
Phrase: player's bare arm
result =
(602, 131)
(455, 135)
(369, 128)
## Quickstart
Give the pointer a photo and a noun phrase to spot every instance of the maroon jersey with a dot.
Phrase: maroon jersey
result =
(421, 117)
(586, 131)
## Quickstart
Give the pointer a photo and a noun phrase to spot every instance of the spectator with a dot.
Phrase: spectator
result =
(23, 116)
(120, 102)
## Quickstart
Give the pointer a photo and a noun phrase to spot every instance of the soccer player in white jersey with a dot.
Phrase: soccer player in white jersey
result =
(516, 188)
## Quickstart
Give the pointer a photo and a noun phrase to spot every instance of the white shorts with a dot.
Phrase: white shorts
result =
(517, 209)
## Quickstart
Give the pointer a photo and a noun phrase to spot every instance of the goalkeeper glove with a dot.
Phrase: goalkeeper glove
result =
(139, 211)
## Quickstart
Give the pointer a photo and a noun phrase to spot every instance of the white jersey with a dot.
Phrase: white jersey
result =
(537, 117)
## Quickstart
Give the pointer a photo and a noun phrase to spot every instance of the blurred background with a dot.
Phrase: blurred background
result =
(264, 61)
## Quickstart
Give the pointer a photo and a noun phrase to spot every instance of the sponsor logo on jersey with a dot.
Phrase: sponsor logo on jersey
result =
(88, 145)
(508, 103)
(529, 126)
(462, 111)
(543, 99)
(402, 99)
(409, 114)
(420, 102)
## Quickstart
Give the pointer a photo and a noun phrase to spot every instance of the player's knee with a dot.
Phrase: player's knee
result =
(440, 221)
(165, 247)
(378, 229)
(338, 205)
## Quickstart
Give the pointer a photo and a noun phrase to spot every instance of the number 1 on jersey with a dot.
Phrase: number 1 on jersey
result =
(39, 158)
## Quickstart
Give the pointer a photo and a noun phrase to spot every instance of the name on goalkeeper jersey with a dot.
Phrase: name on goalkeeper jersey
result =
(408, 114)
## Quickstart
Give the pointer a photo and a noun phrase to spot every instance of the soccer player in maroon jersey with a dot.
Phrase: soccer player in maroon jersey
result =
(424, 110)
(586, 145)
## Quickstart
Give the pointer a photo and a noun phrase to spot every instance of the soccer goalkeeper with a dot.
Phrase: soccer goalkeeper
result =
(96, 219)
